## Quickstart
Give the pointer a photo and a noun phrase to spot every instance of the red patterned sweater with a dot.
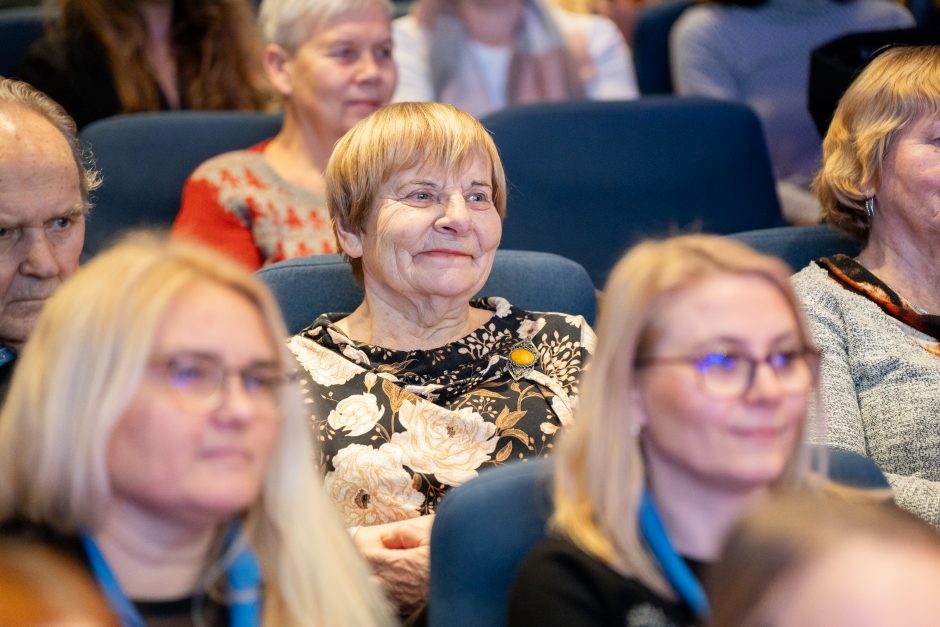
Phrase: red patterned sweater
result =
(239, 205)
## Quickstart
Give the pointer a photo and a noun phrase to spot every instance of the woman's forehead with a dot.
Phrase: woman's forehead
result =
(725, 306)
(437, 170)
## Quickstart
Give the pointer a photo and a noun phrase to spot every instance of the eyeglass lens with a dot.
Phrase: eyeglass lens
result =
(729, 376)
(200, 381)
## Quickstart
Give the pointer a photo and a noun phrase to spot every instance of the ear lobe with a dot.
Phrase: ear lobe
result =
(349, 241)
(275, 61)
(869, 190)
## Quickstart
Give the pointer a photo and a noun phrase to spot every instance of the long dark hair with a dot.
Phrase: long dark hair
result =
(215, 44)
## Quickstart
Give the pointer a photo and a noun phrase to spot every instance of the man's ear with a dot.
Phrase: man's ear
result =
(276, 63)
(349, 240)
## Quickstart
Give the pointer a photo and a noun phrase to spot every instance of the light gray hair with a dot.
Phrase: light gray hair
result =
(289, 23)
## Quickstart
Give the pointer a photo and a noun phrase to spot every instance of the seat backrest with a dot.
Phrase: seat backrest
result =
(145, 159)
(651, 44)
(798, 245)
(482, 531)
(308, 286)
(589, 179)
(485, 527)
(19, 29)
(855, 470)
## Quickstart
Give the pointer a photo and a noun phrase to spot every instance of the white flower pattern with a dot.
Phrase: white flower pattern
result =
(397, 429)
(448, 444)
(356, 414)
(370, 486)
(322, 366)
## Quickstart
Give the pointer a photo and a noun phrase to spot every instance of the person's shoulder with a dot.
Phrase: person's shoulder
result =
(883, 13)
(406, 27)
(825, 300)
(64, 50)
(813, 283)
(550, 321)
(556, 554)
(211, 168)
(700, 17)
(27, 532)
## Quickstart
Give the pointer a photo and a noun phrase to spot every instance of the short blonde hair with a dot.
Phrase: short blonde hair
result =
(599, 470)
(898, 86)
(81, 369)
(394, 139)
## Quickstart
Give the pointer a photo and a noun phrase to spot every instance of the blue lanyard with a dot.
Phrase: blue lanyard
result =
(244, 586)
(677, 572)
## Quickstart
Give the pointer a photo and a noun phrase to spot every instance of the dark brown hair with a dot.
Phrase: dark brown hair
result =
(215, 43)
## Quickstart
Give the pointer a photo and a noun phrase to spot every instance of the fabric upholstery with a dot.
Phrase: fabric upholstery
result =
(308, 286)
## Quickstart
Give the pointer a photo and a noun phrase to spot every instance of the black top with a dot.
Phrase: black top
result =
(559, 584)
(74, 71)
(185, 612)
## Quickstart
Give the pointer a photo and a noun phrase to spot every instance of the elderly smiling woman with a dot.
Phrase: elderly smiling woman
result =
(420, 387)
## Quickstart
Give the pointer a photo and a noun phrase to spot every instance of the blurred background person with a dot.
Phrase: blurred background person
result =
(875, 317)
(693, 407)
(420, 387)
(153, 427)
(44, 187)
(105, 57)
(623, 13)
(484, 55)
(757, 52)
(332, 62)
(40, 586)
(809, 561)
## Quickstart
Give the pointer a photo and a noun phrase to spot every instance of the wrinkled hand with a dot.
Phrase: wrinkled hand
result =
(400, 555)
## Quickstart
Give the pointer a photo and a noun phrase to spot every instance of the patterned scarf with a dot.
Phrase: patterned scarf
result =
(854, 277)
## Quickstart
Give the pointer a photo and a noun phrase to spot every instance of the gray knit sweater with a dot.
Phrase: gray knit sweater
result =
(880, 388)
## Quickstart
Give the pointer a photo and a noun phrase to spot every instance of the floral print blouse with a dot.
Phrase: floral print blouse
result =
(398, 428)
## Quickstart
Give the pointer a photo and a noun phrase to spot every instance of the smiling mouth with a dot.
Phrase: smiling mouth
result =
(227, 454)
(29, 303)
(371, 104)
(760, 433)
(446, 254)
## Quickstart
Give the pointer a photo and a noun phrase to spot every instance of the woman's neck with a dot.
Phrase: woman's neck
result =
(158, 17)
(299, 154)
(492, 22)
(408, 326)
(907, 265)
(151, 558)
(696, 515)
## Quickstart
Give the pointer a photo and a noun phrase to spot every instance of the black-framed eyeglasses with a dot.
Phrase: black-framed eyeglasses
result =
(730, 375)
(199, 381)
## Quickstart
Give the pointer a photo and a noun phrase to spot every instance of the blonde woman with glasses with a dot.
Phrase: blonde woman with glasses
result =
(153, 430)
(694, 406)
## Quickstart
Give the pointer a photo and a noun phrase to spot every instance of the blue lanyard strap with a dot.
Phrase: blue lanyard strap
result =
(122, 606)
(244, 586)
(677, 572)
